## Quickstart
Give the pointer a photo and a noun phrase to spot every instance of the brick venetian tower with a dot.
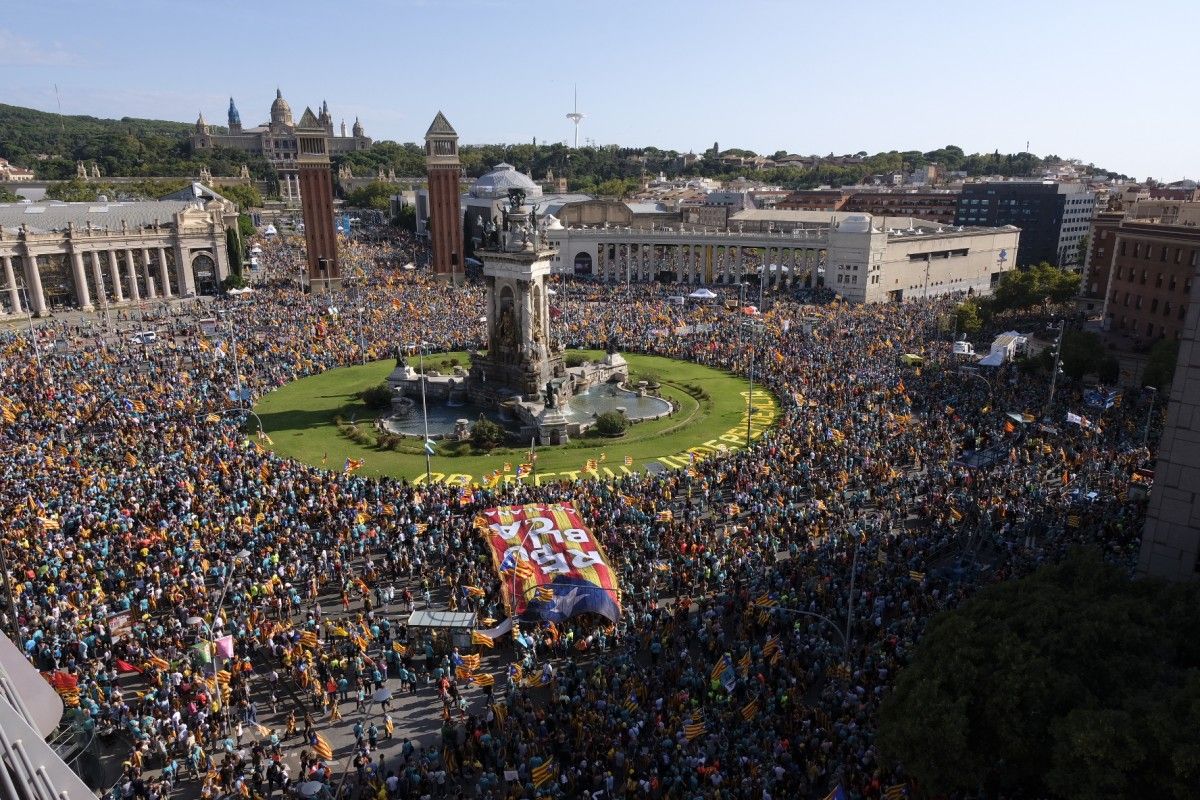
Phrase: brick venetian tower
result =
(445, 217)
(316, 200)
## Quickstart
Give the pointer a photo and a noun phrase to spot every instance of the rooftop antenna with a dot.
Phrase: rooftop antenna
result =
(575, 116)
(62, 122)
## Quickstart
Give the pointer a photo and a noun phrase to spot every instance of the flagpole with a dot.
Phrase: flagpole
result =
(533, 457)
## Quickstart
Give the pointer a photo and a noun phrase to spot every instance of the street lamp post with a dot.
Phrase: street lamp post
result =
(1149, 414)
(426, 445)
(37, 350)
(237, 370)
(1062, 327)
(752, 327)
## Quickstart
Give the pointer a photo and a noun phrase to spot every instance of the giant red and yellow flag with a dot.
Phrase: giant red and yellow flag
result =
(548, 545)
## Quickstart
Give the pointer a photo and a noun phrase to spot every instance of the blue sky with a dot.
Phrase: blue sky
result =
(1107, 82)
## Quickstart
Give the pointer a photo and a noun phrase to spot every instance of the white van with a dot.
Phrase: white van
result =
(143, 337)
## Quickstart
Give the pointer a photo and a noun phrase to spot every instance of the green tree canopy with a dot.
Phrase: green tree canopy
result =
(246, 196)
(376, 195)
(1160, 364)
(968, 319)
(1073, 682)
(1024, 288)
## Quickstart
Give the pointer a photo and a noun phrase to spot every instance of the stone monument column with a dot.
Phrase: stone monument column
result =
(164, 276)
(82, 296)
(146, 273)
(114, 274)
(10, 281)
(33, 286)
(98, 277)
(135, 294)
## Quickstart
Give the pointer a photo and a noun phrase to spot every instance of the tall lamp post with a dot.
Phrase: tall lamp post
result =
(1149, 414)
(427, 445)
(237, 370)
(752, 328)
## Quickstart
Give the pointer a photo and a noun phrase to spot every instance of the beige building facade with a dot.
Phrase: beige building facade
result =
(57, 256)
(863, 258)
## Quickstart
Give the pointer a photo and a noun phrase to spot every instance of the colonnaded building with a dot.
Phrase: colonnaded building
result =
(82, 255)
(278, 140)
(863, 258)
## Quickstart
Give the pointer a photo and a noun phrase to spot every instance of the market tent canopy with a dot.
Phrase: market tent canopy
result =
(703, 294)
(441, 619)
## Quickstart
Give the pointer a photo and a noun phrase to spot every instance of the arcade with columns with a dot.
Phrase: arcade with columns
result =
(136, 256)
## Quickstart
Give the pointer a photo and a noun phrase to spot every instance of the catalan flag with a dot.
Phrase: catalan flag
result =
(750, 710)
(524, 469)
(544, 773)
(897, 791)
(694, 729)
(485, 679)
(474, 591)
(508, 466)
(471, 661)
(917, 576)
(665, 515)
(744, 664)
(212, 419)
(48, 523)
(545, 594)
(388, 725)
(525, 570)
(322, 750)
(352, 465)
(630, 704)
(500, 710)
(309, 639)
(591, 465)
(482, 640)
(771, 647)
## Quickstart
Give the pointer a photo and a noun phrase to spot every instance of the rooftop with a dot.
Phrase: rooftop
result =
(55, 216)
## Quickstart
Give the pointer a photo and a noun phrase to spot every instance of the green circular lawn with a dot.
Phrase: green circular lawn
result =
(712, 416)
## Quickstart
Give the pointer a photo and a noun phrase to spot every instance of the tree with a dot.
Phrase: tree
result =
(1083, 353)
(486, 434)
(968, 319)
(375, 195)
(377, 397)
(233, 245)
(246, 226)
(246, 196)
(614, 187)
(406, 218)
(611, 423)
(8, 196)
(1160, 364)
(1073, 682)
(1042, 283)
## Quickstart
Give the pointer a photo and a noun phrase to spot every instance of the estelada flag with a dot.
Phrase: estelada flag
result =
(322, 750)
(482, 640)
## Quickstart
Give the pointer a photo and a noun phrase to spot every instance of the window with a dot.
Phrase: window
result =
(1167, 309)
(1154, 305)
(1158, 281)
(1162, 254)
(1137, 250)
(1122, 247)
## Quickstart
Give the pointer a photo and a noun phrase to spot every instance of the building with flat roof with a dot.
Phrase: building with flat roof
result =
(1151, 272)
(862, 258)
(937, 205)
(1054, 218)
(82, 255)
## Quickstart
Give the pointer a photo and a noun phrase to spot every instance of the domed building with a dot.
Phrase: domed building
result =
(276, 140)
(487, 196)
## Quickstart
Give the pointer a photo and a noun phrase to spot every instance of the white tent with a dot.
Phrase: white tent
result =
(270, 231)
(703, 294)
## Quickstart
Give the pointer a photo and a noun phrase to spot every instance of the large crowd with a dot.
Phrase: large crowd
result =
(145, 519)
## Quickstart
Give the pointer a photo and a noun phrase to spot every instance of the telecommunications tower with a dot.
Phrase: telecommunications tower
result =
(576, 117)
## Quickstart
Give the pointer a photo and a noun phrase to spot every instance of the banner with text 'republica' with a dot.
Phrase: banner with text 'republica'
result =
(548, 561)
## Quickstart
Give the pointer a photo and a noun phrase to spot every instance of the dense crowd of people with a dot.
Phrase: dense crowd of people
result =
(221, 607)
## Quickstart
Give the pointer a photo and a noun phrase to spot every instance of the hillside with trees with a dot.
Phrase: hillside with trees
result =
(51, 144)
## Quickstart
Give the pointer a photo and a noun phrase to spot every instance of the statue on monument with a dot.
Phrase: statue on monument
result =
(516, 199)
(551, 396)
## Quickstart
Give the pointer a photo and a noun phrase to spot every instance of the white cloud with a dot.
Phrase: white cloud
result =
(16, 51)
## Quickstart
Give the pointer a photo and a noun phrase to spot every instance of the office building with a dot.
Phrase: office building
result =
(1054, 218)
